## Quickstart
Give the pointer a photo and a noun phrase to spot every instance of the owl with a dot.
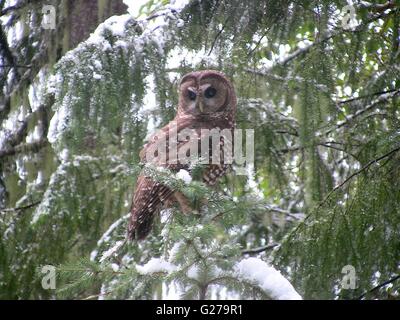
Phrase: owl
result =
(207, 100)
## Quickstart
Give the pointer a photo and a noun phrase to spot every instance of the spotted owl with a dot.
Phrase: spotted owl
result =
(207, 100)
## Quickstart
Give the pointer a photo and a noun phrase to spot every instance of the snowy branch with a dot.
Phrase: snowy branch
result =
(380, 286)
(361, 170)
(268, 74)
(320, 40)
(259, 249)
(23, 148)
(21, 208)
(266, 278)
(354, 99)
(378, 7)
(382, 98)
(5, 51)
(13, 143)
(15, 7)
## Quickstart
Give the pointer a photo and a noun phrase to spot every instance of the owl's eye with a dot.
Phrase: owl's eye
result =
(192, 95)
(210, 92)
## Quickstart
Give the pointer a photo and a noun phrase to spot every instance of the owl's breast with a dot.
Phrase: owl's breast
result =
(187, 140)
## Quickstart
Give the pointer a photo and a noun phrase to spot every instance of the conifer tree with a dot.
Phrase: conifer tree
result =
(317, 81)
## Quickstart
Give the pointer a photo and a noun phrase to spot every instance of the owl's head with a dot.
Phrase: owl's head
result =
(206, 93)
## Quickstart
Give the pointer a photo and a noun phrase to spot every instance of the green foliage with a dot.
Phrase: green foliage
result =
(198, 251)
(342, 230)
(325, 108)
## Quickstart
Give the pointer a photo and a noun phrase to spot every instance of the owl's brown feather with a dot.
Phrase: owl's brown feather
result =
(147, 201)
(150, 195)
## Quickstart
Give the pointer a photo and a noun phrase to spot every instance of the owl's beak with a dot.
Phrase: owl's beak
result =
(199, 105)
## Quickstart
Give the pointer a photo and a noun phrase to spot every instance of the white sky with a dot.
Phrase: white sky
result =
(134, 6)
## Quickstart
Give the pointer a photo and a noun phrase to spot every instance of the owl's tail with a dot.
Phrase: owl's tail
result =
(140, 225)
(147, 202)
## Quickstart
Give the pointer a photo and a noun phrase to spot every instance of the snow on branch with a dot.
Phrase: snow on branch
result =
(23, 148)
(323, 38)
(270, 280)
(250, 270)
(156, 265)
(381, 99)
(379, 7)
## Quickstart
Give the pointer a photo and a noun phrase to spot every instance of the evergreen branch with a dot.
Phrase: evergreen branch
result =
(379, 286)
(220, 214)
(20, 133)
(287, 132)
(365, 96)
(259, 249)
(15, 7)
(28, 66)
(89, 271)
(6, 51)
(245, 283)
(21, 208)
(160, 12)
(111, 229)
(296, 79)
(114, 249)
(37, 61)
(218, 34)
(189, 265)
(290, 149)
(282, 211)
(322, 144)
(365, 167)
(378, 7)
(328, 36)
(23, 148)
(328, 145)
(96, 296)
(382, 98)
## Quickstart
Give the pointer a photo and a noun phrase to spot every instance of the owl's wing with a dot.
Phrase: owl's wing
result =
(213, 172)
(149, 195)
(161, 137)
(147, 201)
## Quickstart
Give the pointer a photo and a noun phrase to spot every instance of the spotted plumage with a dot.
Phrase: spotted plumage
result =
(207, 100)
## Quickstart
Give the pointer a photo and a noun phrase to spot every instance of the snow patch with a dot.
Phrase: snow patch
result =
(267, 278)
(171, 291)
(111, 251)
(115, 267)
(58, 123)
(156, 265)
(184, 175)
(115, 24)
(193, 272)
(174, 250)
